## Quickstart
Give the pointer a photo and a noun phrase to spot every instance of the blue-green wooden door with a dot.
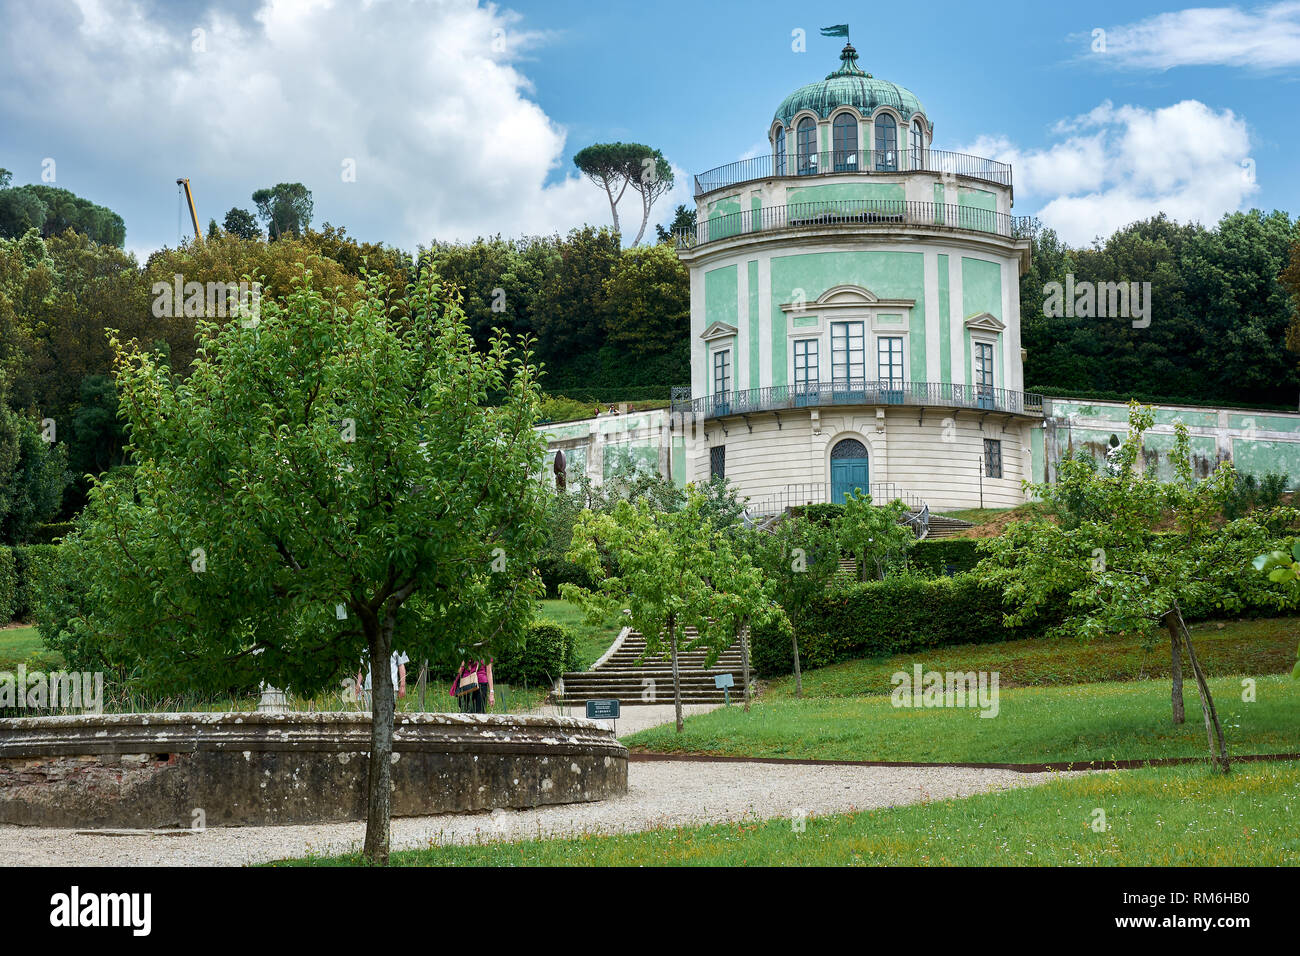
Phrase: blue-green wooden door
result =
(847, 474)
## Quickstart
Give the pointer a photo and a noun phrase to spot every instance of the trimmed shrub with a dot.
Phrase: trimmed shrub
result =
(8, 584)
(31, 562)
(879, 618)
(769, 644)
(945, 555)
(547, 652)
(51, 533)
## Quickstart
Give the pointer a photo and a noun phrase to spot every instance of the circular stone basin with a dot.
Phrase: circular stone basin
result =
(221, 769)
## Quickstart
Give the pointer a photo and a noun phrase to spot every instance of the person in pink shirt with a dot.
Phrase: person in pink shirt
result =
(474, 688)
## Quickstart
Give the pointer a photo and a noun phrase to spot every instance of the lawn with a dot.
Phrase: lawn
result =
(23, 645)
(1166, 816)
(1262, 646)
(593, 639)
(1086, 722)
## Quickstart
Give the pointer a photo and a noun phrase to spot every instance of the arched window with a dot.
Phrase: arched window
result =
(806, 144)
(886, 142)
(845, 142)
(918, 145)
(848, 448)
(780, 150)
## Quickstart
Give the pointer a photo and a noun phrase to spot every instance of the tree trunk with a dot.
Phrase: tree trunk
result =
(1213, 728)
(744, 657)
(379, 791)
(677, 684)
(1175, 664)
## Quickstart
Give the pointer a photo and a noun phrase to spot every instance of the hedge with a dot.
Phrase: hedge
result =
(945, 555)
(547, 652)
(51, 533)
(879, 618)
(8, 584)
(23, 565)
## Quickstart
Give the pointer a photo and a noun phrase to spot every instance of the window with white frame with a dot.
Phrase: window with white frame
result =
(806, 146)
(780, 151)
(886, 142)
(889, 356)
(721, 371)
(806, 362)
(984, 368)
(848, 351)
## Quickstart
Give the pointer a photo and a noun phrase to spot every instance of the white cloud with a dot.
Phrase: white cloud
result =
(1120, 164)
(1265, 37)
(426, 96)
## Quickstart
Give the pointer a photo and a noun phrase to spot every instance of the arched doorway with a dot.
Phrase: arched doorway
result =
(849, 469)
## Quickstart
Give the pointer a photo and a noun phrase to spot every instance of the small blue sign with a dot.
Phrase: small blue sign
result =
(724, 680)
(603, 709)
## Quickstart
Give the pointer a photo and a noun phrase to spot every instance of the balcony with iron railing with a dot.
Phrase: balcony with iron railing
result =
(840, 161)
(775, 398)
(853, 215)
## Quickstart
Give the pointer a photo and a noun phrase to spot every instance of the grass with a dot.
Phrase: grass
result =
(1088, 722)
(22, 645)
(1261, 646)
(1166, 816)
(593, 639)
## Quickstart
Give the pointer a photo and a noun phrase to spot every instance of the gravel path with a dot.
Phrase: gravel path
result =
(667, 793)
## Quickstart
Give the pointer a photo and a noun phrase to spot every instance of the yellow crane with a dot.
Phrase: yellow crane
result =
(194, 214)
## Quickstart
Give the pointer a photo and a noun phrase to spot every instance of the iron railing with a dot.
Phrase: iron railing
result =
(853, 213)
(860, 392)
(841, 161)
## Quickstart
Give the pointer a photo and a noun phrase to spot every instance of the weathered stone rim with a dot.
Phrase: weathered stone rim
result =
(301, 731)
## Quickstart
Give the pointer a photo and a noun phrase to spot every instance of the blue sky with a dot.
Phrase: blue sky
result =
(462, 119)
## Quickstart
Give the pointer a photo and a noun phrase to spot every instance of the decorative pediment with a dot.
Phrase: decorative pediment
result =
(985, 322)
(847, 297)
(718, 330)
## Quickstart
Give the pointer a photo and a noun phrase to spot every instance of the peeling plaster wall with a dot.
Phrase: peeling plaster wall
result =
(1256, 442)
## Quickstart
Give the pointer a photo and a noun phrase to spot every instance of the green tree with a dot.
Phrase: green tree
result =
(874, 535)
(656, 565)
(647, 301)
(52, 210)
(329, 480)
(683, 221)
(652, 179)
(242, 224)
(568, 312)
(799, 560)
(1110, 558)
(33, 474)
(285, 209)
(612, 167)
(1283, 569)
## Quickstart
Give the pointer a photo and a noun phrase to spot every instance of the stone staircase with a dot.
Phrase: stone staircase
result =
(618, 676)
(941, 526)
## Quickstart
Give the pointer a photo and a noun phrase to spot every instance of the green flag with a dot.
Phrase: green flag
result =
(839, 30)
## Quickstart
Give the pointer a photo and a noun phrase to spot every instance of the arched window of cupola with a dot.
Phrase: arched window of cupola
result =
(918, 145)
(886, 142)
(845, 142)
(779, 137)
(806, 145)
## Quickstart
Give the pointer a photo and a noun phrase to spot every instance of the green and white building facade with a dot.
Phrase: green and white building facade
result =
(855, 323)
(855, 317)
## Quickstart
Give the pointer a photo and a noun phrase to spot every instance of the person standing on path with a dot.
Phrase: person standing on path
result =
(397, 669)
(474, 688)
